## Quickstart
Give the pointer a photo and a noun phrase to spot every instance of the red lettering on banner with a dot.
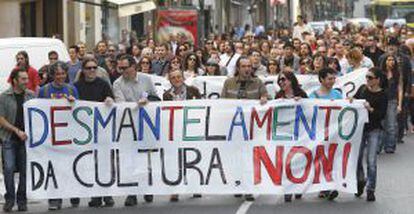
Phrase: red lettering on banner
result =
(274, 170)
(328, 118)
(171, 121)
(298, 150)
(255, 117)
(345, 157)
(327, 163)
(54, 125)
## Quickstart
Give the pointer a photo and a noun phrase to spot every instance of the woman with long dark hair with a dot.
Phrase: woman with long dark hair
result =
(395, 97)
(192, 66)
(289, 86)
(374, 93)
(144, 65)
(212, 68)
(273, 67)
(181, 51)
(175, 63)
(289, 89)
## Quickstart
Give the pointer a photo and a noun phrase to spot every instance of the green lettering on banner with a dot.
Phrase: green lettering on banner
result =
(187, 121)
(83, 125)
(354, 125)
(276, 123)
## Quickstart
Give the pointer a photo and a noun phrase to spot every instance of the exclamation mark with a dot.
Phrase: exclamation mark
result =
(345, 157)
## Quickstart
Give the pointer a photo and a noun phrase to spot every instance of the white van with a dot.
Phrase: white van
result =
(37, 48)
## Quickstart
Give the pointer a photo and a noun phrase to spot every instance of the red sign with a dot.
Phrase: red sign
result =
(182, 23)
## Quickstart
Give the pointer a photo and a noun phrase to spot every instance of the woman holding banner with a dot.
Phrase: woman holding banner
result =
(373, 92)
(289, 88)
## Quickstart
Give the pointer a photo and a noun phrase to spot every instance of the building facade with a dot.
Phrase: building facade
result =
(70, 20)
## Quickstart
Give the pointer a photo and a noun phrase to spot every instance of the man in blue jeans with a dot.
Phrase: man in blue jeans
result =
(13, 137)
(327, 77)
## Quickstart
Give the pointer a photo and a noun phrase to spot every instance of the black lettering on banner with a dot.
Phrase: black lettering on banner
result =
(204, 92)
(213, 95)
(112, 176)
(149, 162)
(352, 84)
(118, 180)
(192, 164)
(50, 174)
(75, 171)
(127, 111)
(180, 169)
(215, 163)
(33, 166)
(268, 83)
(207, 128)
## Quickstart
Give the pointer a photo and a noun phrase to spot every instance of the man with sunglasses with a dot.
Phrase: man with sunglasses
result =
(53, 57)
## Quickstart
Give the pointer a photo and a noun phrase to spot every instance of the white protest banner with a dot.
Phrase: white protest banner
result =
(87, 149)
(210, 86)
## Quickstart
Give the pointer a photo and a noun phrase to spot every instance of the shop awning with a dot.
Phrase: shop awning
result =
(131, 7)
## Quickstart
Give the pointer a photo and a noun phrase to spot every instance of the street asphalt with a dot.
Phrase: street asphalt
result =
(395, 194)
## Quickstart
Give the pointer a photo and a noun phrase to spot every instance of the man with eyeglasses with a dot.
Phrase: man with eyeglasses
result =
(133, 87)
(53, 57)
(258, 68)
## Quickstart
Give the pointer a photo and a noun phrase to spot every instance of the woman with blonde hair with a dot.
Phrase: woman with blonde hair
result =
(354, 57)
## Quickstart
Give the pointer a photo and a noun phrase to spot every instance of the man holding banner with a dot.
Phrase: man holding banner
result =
(244, 85)
(178, 92)
(12, 136)
(133, 87)
(327, 79)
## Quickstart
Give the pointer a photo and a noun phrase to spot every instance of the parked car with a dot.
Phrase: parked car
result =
(320, 26)
(388, 23)
(361, 22)
(37, 49)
